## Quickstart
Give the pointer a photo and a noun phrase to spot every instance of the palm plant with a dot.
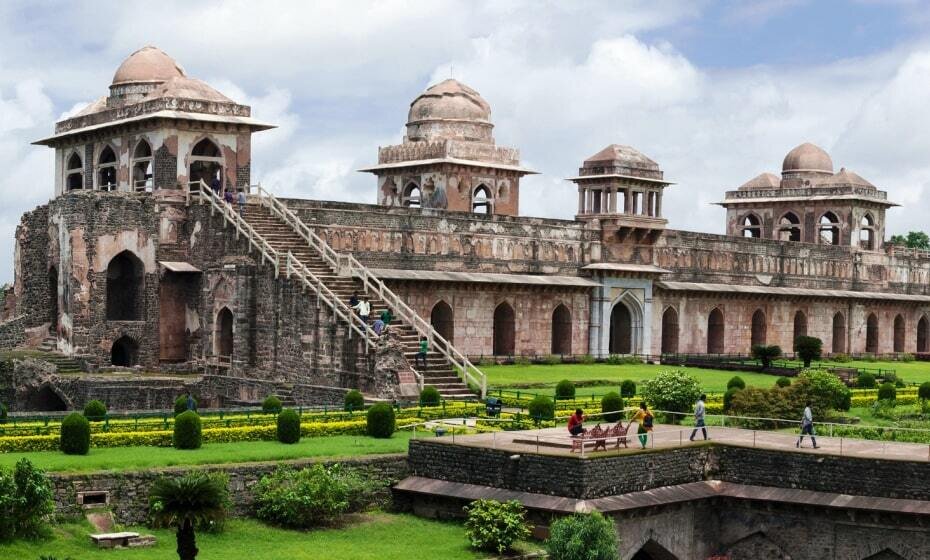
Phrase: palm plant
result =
(189, 502)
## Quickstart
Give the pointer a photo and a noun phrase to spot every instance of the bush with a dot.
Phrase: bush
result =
(180, 404)
(621, 360)
(582, 537)
(673, 391)
(521, 361)
(765, 354)
(884, 409)
(841, 358)
(890, 377)
(95, 411)
(906, 357)
(26, 500)
(783, 382)
(187, 431)
(288, 426)
(587, 359)
(541, 408)
(612, 402)
(887, 392)
(495, 526)
(381, 420)
(728, 398)
(552, 359)
(271, 405)
(75, 434)
(865, 381)
(923, 392)
(628, 388)
(301, 498)
(827, 391)
(736, 382)
(565, 390)
(354, 400)
(429, 396)
(3, 413)
(808, 348)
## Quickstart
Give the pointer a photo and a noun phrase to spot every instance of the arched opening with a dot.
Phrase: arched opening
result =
(715, 332)
(142, 175)
(923, 335)
(412, 195)
(124, 352)
(206, 164)
(443, 320)
(74, 173)
(789, 227)
(839, 334)
(53, 298)
(829, 229)
(800, 325)
(899, 333)
(106, 170)
(670, 331)
(867, 232)
(759, 328)
(224, 333)
(886, 554)
(45, 399)
(653, 551)
(561, 330)
(621, 330)
(481, 200)
(752, 226)
(871, 334)
(125, 288)
(504, 330)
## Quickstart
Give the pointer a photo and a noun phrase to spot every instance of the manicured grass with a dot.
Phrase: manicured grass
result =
(134, 458)
(911, 372)
(373, 536)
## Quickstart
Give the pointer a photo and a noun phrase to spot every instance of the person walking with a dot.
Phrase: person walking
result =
(241, 201)
(423, 351)
(228, 197)
(364, 309)
(387, 317)
(191, 405)
(699, 418)
(378, 326)
(644, 419)
(807, 426)
(353, 301)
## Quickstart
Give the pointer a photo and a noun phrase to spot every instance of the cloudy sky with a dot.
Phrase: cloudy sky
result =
(716, 92)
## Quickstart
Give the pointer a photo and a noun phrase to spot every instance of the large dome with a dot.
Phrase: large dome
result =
(148, 64)
(807, 158)
(449, 100)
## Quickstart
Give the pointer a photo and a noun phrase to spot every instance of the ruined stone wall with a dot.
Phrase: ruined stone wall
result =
(31, 268)
(12, 332)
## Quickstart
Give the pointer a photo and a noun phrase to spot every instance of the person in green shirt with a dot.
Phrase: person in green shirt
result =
(424, 349)
(387, 317)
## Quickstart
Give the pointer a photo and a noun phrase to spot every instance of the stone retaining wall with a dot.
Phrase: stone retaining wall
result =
(13, 332)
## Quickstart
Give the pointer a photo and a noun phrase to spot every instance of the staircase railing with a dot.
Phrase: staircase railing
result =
(347, 264)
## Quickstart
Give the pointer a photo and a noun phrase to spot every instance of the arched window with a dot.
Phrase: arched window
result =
(206, 164)
(412, 196)
(561, 330)
(504, 330)
(829, 229)
(871, 334)
(759, 328)
(206, 148)
(443, 320)
(752, 226)
(106, 170)
(800, 325)
(923, 335)
(715, 332)
(867, 232)
(481, 200)
(899, 333)
(621, 329)
(142, 175)
(125, 288)
(124, 352)
(670, 331)
(789, 227)
(74, 173)
(839, 334)
(223, 340)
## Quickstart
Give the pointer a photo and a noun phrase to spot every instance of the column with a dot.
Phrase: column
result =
(613, 200)
(659, 204)
(581, 200)
(627, 201)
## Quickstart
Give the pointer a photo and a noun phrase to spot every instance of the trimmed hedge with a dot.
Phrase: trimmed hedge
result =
(429, 396)
(736, 382)
(541, 408)
(612, 402)
(75, 434)
(354, 400)
(95, 411)
(187, 431)
(565, 389)
(180, 404)
(887, 392)
(381, 421)
(288, 429)
(271, 405)
(628, 388)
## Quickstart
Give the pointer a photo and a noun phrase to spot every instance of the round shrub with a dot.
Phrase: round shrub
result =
(613, 403)
(75, 434)
(187, 431)
(180, 404)
(887, 392)
(736, 382)
(495, 526)
(825, 389)
(628, 388)
(429, 396)
(381, 420)
(728, 398)
(671, 391)
(288, 426)
(95, 411)
(865, 381)
(923, 392)
(354, 400)
(565, 390)
(271, 405)
(542, 408)
(783, 382)
(582, 537)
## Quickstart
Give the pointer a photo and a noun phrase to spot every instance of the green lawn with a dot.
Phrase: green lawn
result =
(911, 372)
(134, 458)
(374, 536)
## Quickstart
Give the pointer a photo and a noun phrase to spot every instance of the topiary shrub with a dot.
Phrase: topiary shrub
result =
(887, 392)
(354, 400)
(565, 389)
(95, 411)
(582, 537)
(301, 498)
(494, 526)
(736, 382)
(541, 408)
(180, 404)
(381, 420)
(75, 434)
(865, 381)
(783, 382)
(271, 405)
(612, 403)
(671, 391)
(628, 388)
(429, 396)
(728, 398)
(187, 431)
(288, 426)
(808, 348)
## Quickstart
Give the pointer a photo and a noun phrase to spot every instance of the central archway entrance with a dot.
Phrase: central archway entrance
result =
(561, 331)
(621, 330)
(504, 333)
(442, 320)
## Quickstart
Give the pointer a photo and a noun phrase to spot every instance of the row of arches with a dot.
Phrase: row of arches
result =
(788, 228)
(482, 197)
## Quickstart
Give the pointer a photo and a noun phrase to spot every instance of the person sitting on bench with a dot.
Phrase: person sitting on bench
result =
(575, 427)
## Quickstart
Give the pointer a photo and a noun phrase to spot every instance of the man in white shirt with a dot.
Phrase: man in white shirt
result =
(807, 426)
(364, 309)
(699, 409)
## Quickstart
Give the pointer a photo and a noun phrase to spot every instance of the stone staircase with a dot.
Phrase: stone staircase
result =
(282, 237)
(48, 351)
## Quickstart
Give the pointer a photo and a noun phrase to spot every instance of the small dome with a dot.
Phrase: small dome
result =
(626, 156)
(807, 158)
(761, 181)
(846, 177)
(449, 100)
(188, 88)
(148, 64)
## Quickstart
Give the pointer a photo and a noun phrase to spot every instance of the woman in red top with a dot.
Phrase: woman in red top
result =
(574, 423)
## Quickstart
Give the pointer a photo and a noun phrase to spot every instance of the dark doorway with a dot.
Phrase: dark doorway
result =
(504, 333)
(124, 352)
(758, 328)
(923, 336)
(715, 332)
(871, 334)
(839, 334)
(800, 326)
(125, 278)
(443, 321)
(224, 333)
(561, 331)
(899, 333)
(653, 551)
(53, 298)
(621, 330)
(45, 400)
(670, 331)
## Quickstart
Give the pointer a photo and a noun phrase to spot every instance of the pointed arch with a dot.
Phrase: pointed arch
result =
(871, 334)
(74, 172)
(206, 148)
(223, 337)
(124, 352)
(923, 335)
(829, 229)
(759, 328)
(443, 320)
(504, 330)
(626, 325)
(800, 325)
(206, 164)
(651, 550)
(142, 170)
(751, 226)
(561, 330)
(839, 333)
(125, 288)
(789, 227)
(716, 330)
(412, 195)
(482, 201)
(867, 232)
(670, 331)
(900, 333)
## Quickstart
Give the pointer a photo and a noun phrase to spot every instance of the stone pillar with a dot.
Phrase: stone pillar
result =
(627, 201)
(659, 204)
(613, 200)
(581, 193)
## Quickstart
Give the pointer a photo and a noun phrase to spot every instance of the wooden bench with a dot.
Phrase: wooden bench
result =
(600, 435)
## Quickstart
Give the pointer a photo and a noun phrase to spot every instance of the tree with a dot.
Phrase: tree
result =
(583, 537)
(766, 354)
(809, 348)
(189, 502)
(913, 240)
(672, 391)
